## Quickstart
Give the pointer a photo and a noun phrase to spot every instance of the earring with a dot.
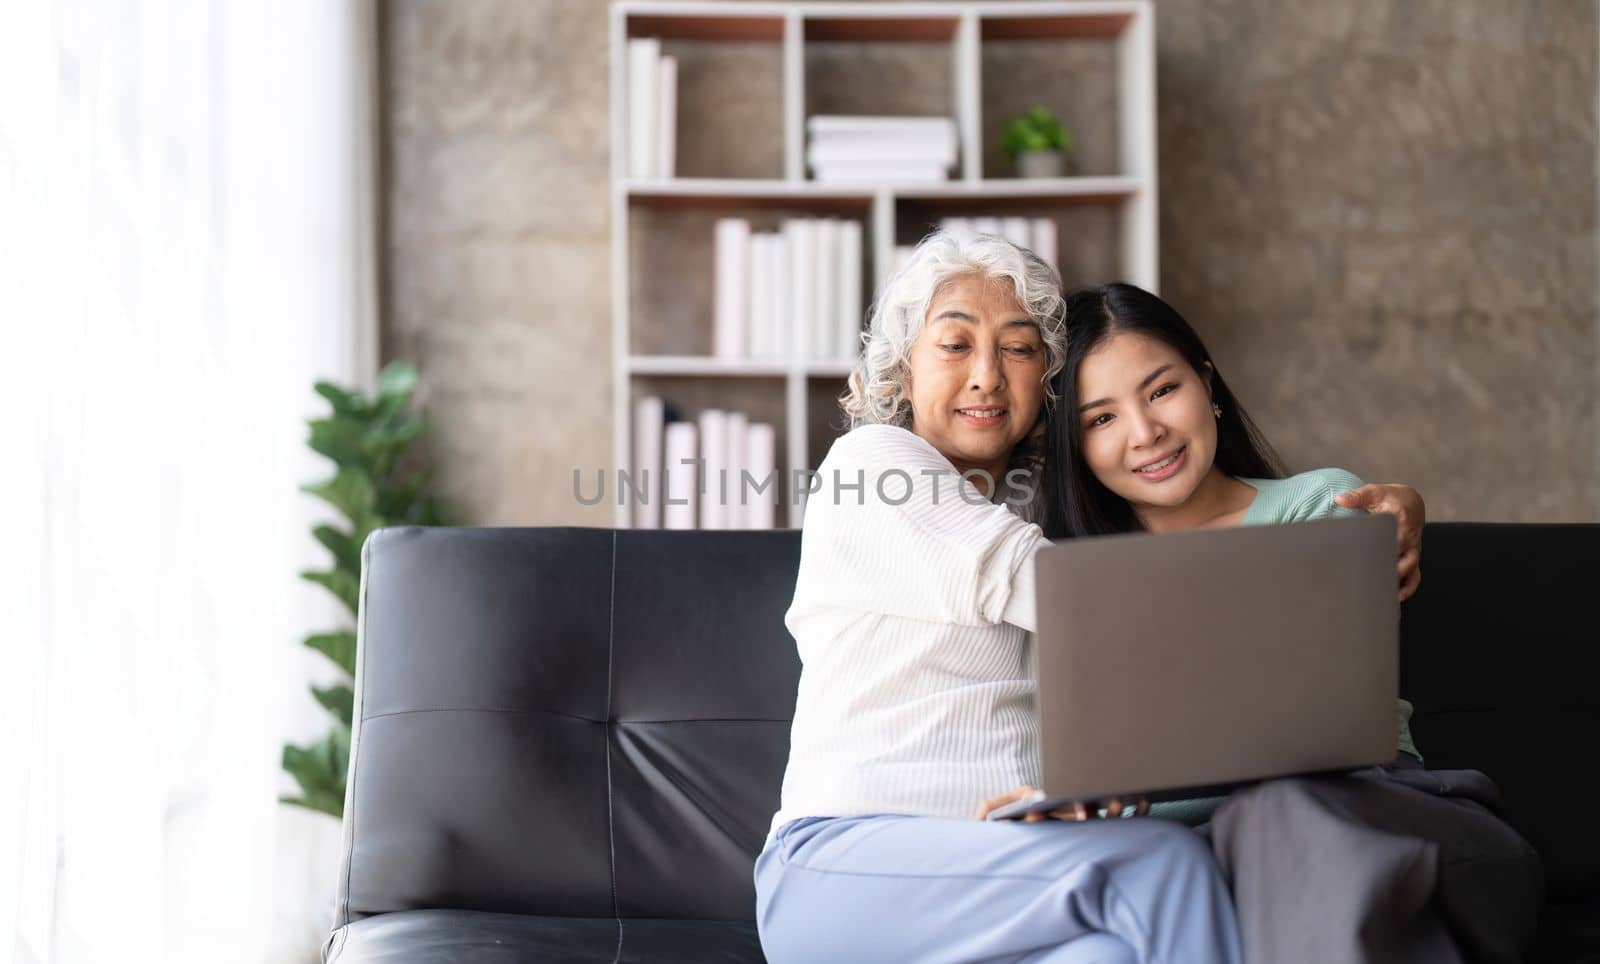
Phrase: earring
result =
(1216, 409)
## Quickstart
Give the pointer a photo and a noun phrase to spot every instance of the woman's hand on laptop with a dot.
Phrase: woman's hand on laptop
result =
(1115, 807)
(1405, 504)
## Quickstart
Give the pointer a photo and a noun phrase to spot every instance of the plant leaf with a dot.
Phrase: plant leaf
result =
(339, 582)
(320, 770)
(346, 551)
(341, 439)
(338, 699)
(339, 647)
(395, 384)
(350, 491)
(343, 402)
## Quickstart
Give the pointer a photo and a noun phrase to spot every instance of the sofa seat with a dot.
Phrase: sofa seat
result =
(480, 937)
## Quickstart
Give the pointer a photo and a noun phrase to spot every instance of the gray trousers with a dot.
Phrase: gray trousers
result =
(1394, 863)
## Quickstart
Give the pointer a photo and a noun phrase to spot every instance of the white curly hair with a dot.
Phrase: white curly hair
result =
(878, 391)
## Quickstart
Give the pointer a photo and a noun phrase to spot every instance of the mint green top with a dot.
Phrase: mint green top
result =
(1299, 498)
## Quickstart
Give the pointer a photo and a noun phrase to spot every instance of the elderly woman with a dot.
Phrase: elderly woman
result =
(912, 612)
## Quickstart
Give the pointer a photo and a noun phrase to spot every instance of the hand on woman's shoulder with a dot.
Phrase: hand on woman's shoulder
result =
(1317, 488)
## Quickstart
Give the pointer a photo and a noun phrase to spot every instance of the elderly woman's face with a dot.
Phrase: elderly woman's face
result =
(977, 374)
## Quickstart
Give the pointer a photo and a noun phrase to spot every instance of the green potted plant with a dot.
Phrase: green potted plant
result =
(375, 484)
(1038, 143)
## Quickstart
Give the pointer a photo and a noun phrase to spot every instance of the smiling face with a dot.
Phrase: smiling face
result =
(1149, 434)
(977, 370)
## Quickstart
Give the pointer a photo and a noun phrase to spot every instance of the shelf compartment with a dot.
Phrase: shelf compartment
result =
(1075, 78)
(760, 399)
(671, 266)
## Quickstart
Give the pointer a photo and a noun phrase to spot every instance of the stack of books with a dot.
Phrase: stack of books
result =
(880, 150)
(716, 472)
(652, 110)
(794, 293)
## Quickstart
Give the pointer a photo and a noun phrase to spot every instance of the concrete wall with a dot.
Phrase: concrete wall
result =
(1382, 216)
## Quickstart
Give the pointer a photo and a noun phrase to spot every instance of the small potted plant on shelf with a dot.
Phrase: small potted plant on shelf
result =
(1038, 143)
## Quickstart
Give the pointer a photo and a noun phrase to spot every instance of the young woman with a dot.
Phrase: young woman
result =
(912, 614)
(1412, 863)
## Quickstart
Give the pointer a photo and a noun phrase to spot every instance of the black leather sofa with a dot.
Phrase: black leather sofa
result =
(570, 741)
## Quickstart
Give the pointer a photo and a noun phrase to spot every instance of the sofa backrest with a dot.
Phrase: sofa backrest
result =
(567, 722)
(589, 723)
(1500, 655)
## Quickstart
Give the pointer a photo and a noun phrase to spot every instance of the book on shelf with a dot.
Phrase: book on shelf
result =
(763, 333)
(802, 235)
(761, 456)
(714, 453)
(824, 297)
(680, 492)
(644, 486)
(901, 150)
(1038, 234)
(847, 314)
(652, 110)
(736, 429)
(718, 471)
(731, 277)
(667, 119)
(897, 172)
(794, 293)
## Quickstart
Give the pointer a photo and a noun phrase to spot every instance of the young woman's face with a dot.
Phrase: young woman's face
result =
(1149, 434)
(977, 374)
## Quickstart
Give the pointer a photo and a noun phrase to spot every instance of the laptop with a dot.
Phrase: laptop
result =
(1182, 665)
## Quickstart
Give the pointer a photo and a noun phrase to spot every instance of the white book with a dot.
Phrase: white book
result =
(900, 173)
(880, 148)
(667, 118)
(857, 123)
(1045, 244)
(848, 314)
(682, 494)
(732, 276)
(644, 485)
(891, 152)
(738, 503)
(802, 236)
(782, 309)
(987, 225)
(761, 457)
(644, 74)
(825, 297)
(1016, 230)
(762, 340)
(714, 449)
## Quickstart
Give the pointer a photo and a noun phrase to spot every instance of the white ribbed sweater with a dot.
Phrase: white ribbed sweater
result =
(914, 625)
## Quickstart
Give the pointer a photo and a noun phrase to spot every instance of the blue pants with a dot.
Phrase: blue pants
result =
(928, 889)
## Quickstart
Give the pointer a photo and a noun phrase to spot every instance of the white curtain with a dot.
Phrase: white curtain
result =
(186, 243)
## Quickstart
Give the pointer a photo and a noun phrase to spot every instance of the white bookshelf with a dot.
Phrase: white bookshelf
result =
(1129, 25)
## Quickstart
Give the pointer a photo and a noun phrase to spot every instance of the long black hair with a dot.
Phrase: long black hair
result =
(1075, 502)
